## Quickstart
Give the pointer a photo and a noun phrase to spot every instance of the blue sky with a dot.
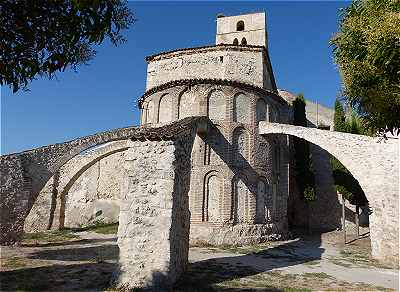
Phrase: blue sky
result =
(103, 95)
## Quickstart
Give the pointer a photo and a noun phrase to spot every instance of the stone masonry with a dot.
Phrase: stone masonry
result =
(374, 162)
(153, 236)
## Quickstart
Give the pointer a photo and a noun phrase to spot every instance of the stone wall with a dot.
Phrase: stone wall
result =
(153, 234)
(84, 191)
(244, 64)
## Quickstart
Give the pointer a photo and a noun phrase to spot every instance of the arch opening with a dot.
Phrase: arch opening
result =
(240, 25)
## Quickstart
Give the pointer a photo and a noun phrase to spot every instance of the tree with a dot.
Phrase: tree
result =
(304, 169)
(367, 52)
(39, 38)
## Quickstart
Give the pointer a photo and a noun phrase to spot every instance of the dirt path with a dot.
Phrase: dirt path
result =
(86, 261)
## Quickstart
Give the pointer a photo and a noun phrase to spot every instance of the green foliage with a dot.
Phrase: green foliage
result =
(299, 110)
(367, 51)
(43, 37)
(339, 118)
(347, 185)
(304, 171)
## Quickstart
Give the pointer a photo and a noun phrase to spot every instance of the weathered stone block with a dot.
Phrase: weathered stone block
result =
(153, 235)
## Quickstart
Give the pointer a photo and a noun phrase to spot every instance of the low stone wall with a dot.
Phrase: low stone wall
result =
(237, 235)
(153, 234)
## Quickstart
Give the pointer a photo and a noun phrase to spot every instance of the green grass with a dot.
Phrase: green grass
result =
(111, 228)
(316, 275)
(48, 236)
(13, 263)
(312, 263)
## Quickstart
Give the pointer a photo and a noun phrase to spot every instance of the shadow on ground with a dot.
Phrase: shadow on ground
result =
(207, 275)
(91, 253)
(75, 277)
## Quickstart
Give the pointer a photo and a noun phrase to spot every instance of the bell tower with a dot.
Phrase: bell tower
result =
(244, 29)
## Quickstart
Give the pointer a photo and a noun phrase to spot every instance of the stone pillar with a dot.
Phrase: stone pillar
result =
(15, 190)
(153, 234)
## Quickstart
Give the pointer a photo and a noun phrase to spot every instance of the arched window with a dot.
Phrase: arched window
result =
(186, 102)
(212, 191)
(240, 199)
(236, 42)
(214, 148)
(165, 109)
(243, 42)
(240, 147)
(240, 25)
(150, 112)
(216, 105)
(241, 108)
(264, 202)
(261, 110)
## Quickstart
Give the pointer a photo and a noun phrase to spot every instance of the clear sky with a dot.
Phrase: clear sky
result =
(103, 95)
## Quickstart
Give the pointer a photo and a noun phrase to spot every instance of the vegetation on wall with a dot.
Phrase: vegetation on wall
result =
(39, 38)
(367, 51)
(345, 183)
(304, 168)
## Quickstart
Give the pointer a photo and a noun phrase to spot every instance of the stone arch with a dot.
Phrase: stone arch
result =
(243, 42)
(241, 108)
(240, 199)
(216, 105)
(165, 109)
(212, 190)
(186, 103)
(27, 172)
(235, 42)
(240, 25)
(240, 145)
(38, 219)
(374, 164)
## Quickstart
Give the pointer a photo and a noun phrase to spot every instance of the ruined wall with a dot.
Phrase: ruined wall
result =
(84, 191)
(153, 234)
(94, 197)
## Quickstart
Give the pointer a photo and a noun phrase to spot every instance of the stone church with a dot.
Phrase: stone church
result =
(240, 180)
(215, 139)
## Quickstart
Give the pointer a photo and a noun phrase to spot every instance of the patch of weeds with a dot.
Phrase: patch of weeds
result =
(317, 275)
(99, 227)
(312, 263)
(289, 289)
(13, 263)
(201, 243)
(340, 263)
(48, 237)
